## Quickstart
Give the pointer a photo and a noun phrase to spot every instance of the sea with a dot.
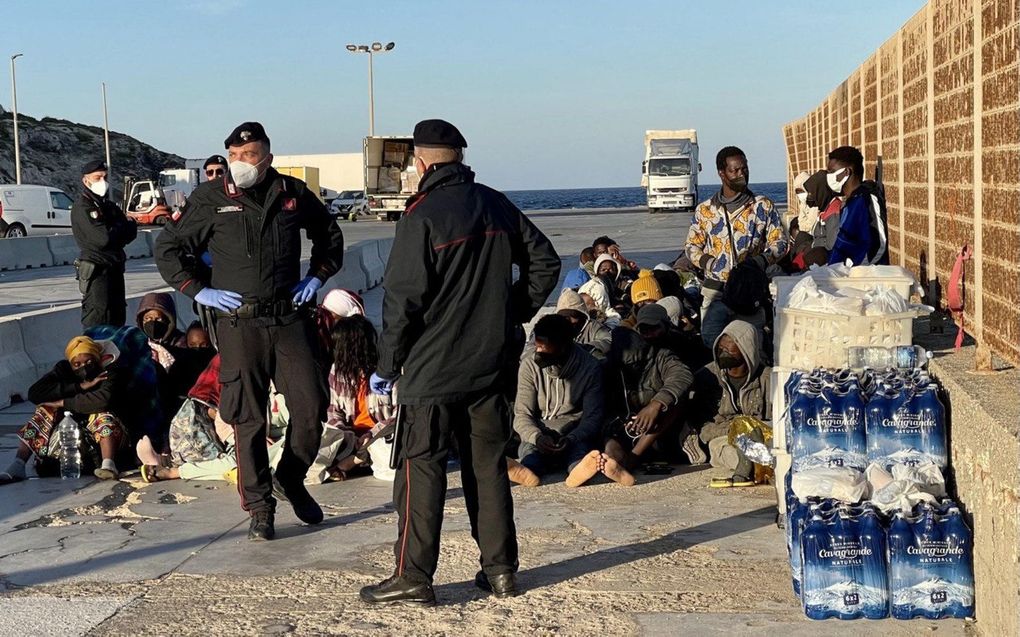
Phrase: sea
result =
(617, 197)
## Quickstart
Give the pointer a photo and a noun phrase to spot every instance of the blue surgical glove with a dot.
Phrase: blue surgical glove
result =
(223, 300)
(305, 291)
(380, 385)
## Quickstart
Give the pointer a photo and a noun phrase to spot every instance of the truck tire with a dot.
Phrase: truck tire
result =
(16, 231)
(160, 221)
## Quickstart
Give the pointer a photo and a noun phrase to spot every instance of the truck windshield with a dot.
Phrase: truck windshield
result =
(673, 167)
(167, 180)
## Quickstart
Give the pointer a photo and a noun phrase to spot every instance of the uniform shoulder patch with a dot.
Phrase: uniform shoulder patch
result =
(94, 214)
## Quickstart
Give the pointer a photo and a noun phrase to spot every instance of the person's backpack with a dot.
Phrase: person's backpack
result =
(747, 289)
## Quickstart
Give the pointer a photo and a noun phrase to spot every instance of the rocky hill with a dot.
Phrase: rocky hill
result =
(54, 150)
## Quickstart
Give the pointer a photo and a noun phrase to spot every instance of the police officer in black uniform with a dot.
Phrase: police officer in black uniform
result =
(449, 314)
(215, 167)
(250, 221)
(101, 230)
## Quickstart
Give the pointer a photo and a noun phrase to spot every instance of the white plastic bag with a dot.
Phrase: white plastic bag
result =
(905, 487)
(883, 300)
(839, 483)
(379, 451)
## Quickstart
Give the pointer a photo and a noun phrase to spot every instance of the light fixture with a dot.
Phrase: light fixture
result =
(352, 48)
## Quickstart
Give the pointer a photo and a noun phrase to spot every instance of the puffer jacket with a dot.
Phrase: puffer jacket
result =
(164, 303)
(564, 398)
(714, 403)
(638, 373)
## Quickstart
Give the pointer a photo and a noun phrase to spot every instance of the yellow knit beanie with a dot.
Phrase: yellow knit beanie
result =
(646, 288)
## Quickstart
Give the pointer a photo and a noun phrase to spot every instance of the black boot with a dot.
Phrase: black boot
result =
(399, 589)
(305, 507)
(501, 586)
(261, 526)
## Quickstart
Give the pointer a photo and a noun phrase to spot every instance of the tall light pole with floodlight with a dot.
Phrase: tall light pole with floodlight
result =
(17, 140)
(371, 49)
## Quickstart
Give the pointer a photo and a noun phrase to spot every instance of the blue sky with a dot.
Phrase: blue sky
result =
(548, 94)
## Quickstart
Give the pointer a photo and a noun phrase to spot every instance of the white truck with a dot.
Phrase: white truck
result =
(390, 177)
(155, 201)
(670, 170)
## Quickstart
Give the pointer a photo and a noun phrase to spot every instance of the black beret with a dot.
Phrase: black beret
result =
(215, 159)
(437, 132)
(245, 134)
(93, 166)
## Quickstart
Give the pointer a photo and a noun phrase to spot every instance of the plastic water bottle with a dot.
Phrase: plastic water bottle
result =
(70, 456)
(877, 357)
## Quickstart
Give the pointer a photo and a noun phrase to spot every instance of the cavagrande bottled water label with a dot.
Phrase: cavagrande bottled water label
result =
(844, 574)
(827, 427)
(907, 426)
(931, 568)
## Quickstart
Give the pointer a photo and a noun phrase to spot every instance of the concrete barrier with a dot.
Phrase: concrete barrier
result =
(24, 253)
(150, 238)
(385, 247)
(32, 342)
(17, 371)
(371, 264)
(139, 248)
(63, 249)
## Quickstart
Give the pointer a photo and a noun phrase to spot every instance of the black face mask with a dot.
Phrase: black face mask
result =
(545, 360)
(729, 361)
(156, 329)
(88, 371)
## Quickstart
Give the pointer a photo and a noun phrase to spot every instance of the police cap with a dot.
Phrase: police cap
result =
(215, 159)
(437, 132)
(93, 166)
(245, 134)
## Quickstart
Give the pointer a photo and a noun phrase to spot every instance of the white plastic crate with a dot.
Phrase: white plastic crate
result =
(806, 339)
(784, 462)
(778, 399)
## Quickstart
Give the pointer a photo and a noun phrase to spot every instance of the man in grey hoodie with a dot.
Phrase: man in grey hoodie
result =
(559, 410)
(590, 333)
(735, 383)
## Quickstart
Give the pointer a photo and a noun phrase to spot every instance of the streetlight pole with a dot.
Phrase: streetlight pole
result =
(17, 140)
(106, 130)
(371, 50)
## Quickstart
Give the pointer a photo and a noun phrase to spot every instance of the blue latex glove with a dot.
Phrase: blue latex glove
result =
(223, 300)
(380, 386)
(305, 290)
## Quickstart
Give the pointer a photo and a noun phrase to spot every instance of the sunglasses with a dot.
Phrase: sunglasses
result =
(218, 172)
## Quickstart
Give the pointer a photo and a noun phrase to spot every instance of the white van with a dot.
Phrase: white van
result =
(33, 210)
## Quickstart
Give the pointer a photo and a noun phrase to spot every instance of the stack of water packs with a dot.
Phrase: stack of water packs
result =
(850, 559)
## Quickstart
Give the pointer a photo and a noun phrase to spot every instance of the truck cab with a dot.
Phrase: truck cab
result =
(670, 170)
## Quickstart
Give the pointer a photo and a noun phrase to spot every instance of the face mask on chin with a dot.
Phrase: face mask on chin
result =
(245, 175)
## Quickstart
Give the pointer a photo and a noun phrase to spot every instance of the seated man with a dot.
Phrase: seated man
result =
(580, 275)
(647, 383)
(157, 317)
(588, 261)
(644, 291)
(89, 386)
(558, 412)
(735, 383)
(598, 299)
(608, 270)
(590, 333)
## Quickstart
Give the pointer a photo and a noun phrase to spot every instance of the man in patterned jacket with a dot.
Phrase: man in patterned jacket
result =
(733, 227)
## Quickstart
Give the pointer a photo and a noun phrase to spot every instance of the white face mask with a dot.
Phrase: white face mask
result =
(802, 198)
(836, 185)
(99, 187)
(245, 175)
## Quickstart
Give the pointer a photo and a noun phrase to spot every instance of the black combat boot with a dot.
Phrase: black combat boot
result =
(261, 526)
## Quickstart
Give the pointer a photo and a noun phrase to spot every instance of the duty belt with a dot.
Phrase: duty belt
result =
(264, 309)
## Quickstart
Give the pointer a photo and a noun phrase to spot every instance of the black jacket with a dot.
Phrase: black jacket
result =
(101, 229)
(451, 302)
(61, 383)
(637, 373)
(255, 249)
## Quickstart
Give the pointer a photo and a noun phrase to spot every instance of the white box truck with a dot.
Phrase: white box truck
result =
(670, 170)
(390, 177)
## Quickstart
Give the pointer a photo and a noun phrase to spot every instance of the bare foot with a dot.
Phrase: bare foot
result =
(585, 470)
(616, 473)
(520, 474)
(146, 454)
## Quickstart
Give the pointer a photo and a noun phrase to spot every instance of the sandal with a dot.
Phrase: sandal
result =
(730, 483)
(150, 473)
